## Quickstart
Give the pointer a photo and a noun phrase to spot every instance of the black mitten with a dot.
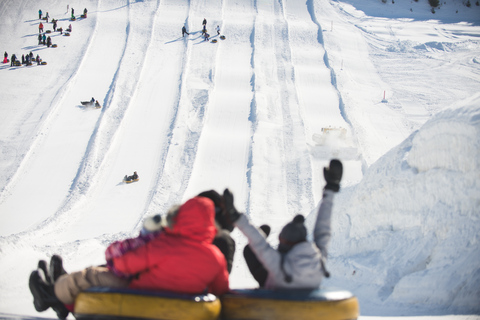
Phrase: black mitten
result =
(333, 175)
(232, 214)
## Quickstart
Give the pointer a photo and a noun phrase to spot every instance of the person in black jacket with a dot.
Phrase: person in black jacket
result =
(223, 239)
(184, 30)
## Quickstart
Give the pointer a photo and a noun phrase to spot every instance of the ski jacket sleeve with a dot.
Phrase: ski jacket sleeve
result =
(120, 248)
(268, 256)
(322, 229)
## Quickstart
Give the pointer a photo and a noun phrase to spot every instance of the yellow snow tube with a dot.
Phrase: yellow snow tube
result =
(261, 304)
(106, 303)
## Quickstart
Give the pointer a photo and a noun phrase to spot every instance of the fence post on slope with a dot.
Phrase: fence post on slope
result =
(384, 100)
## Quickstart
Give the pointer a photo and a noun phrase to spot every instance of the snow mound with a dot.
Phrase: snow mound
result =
(408, 234)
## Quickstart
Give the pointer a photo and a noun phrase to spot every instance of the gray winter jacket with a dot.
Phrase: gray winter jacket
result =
(303, 261)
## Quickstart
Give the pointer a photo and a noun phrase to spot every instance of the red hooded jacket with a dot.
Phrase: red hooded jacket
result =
(181, 259)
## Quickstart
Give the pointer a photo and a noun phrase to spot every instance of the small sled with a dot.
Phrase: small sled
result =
(91, 104)
(54, 45)
(222, 37)
(67, 34)
(214, 41)
(315, 304)
(43, 63)
(48, 31)
(130, 180)
(108, 304)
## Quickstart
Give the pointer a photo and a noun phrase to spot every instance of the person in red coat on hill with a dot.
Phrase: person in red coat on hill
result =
(178, 258)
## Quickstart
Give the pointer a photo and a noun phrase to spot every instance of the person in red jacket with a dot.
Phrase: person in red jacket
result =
(179, 258)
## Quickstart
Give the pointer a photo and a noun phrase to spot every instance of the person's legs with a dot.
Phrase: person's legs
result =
(44, 296)
(68, 286)
(256, 268)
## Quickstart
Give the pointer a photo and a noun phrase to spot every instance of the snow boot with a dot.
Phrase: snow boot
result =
(42, 269)
(56, 268)
(44, 296)
(39, 291)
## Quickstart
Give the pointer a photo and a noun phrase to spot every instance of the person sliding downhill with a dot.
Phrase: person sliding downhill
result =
(132, 177)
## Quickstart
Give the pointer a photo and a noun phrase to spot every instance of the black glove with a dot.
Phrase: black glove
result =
(231, 213)
(333, 175)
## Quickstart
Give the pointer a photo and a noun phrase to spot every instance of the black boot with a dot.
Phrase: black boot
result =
(42, 269)
(39, 291)
(44, 296)
(56, 268)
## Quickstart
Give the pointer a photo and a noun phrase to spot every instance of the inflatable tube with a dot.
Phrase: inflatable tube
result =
(262, 304)
(100, 303)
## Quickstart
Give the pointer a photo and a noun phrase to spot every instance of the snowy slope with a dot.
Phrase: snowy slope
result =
(247, 113)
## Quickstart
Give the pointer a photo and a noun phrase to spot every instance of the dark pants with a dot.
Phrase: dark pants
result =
(226, 244)
(256, 268)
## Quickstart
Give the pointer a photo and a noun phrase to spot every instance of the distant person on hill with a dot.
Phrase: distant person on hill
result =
(49, 42)
(39, 39)
(44, 39)
(207, 36)
(54, 24)
(204, 23)
(85, 12)
(204, 29)
(159, 261)
(218, 29)
(47, 16)
(40, 14)
(40, 28)
(184, 31)
(297, 263)
(14, 58)
(132, 177)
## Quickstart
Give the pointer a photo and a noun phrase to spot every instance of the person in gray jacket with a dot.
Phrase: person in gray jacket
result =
(296, 263)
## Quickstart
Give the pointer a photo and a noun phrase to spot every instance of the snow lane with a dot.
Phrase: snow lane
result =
(196, 89)
(125, 140)
(21, 124)
(49, 156)
(361, 81)
(225, 138)
(279, 154)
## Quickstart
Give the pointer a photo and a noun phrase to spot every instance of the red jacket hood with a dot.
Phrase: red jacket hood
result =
(195, 220)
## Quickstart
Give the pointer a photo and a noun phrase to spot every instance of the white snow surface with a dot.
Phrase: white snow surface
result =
(391, 89)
